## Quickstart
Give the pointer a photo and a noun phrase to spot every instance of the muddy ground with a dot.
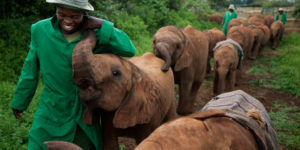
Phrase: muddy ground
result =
(266, 96)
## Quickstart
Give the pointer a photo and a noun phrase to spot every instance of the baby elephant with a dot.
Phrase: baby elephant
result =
(213, 36)
(132, 96)
(185, 51)
(233, 120)
(228, 56)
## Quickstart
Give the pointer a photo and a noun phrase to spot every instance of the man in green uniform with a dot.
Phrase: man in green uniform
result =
(281, 16)
(229, 15)
(59, 113)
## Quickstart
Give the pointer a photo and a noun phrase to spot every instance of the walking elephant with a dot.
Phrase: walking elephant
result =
(241, 124)
(228, 56)
(269, 19)
(185, 51)
(259, 35)
(235, 22)
(277, 29)
(254, 18)
(214, 36)
(132, 96)
(243, 36)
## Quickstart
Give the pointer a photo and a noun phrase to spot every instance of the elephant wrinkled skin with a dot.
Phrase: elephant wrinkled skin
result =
(214, 36)
(277, 29)
(226, 61)
(242, 35)
(217, 18)
(133, 96)
(235, 22)
(206, 130)
(186, 51)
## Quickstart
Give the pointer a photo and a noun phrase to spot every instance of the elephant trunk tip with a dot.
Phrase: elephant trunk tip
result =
(164, 68)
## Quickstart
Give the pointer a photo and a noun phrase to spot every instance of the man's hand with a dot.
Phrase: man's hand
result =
(92, 23)
(17, 113)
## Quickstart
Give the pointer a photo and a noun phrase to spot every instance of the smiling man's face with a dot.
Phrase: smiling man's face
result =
(69, 20)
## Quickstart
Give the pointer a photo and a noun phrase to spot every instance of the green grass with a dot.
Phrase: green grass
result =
(14, 132)
(284, 68)
(286, 121)
(282, 72)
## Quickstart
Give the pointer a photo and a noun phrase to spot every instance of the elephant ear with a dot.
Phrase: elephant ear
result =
(139, 107)
(184, 60)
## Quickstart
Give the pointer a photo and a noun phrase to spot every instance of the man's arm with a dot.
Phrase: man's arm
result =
(27, 83)
(113, 40)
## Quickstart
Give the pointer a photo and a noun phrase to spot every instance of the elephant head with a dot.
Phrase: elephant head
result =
(169, 44)
(111, 83)
(225, 63)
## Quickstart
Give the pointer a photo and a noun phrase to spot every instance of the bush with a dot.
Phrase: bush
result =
(153, 12)
(14, 45)
(134, 26)
(296, 12)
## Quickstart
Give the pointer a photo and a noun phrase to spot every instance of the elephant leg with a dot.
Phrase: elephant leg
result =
(185, 102)
(110, 137)
(232, 80)
(194, 91)
(171, 113)
(261, 49)
(276, 41)
(208, 68)
(216, 82)
(255, 51)
(238, 77)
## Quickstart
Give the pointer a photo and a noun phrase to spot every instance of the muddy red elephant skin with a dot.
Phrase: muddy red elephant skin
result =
(235, 22)
(214, 36)
(217, 18)
(185, 51)
(133, 96)
(226, 72)
(242, 35)
(200, 131)
(277, 29)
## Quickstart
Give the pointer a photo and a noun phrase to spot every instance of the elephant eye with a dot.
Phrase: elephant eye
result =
(178, 46)
(154, 41)
(116, 72)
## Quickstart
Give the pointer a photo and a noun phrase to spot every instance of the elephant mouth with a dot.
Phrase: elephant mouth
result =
(89, 98)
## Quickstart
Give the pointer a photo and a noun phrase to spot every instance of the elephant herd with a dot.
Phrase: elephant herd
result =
(135, 97)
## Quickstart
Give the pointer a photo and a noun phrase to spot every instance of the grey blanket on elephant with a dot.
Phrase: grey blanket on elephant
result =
(237, 104)
(236, 45)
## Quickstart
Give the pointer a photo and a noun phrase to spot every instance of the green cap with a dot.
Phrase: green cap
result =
(73, 4)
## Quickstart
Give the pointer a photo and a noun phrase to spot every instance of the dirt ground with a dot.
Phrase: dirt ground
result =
(266, 96)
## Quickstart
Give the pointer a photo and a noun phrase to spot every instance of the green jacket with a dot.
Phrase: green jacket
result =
(283, 18)
(226, 19)
(60, 111)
